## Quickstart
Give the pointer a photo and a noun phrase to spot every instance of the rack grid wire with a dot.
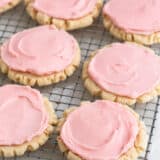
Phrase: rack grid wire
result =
(71, 92)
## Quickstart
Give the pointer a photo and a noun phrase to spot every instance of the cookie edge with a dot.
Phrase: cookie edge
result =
(82, 22)
(33, 80)
(9, 6)
(96, 90)
(37, 141)
(121, 34)
(133, 153)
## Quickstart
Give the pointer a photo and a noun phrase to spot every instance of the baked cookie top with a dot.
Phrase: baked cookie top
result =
(125, 69)
(22, 114)
(72, 9)
(99, 130)
(40, 51)
(134, 16)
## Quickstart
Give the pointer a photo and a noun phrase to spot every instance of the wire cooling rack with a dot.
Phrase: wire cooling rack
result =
(71, 92)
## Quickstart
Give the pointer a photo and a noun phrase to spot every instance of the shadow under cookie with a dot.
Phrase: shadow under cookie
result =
(6, 5)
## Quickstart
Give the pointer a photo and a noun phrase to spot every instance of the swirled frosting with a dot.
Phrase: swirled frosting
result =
(100, 131)
(41, 50)
(135, 16)
(22, 114)
(72, 9)
(125, 69)
(4, 2)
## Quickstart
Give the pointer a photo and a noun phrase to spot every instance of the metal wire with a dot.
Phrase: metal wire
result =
(71, 92)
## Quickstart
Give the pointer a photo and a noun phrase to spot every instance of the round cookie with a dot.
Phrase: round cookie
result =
(68, 16)
(121, 137)
(5, 5)
(120, 18)
(26, 118)
(40, 56)
(123, 72)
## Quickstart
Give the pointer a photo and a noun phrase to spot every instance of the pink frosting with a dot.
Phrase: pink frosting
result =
(100, 131)
(135, 16)
(72, 9)
(125, 69)
(40, 50)
(22, 114)
(4, 2)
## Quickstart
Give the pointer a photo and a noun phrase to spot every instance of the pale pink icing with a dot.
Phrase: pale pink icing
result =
(22, 114)
(135, 16)
(40, 50)
(4, 2)
(125, 69)
(72, 9)
(100, 131)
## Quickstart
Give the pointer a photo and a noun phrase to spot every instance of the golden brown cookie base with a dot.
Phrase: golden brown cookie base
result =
(36, 142)
(9, 6)
(123, 35)
(132, 154)
(32, 80)
(42, 18)
(96, 90)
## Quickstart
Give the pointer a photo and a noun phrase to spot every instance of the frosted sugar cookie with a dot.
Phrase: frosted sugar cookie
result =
(100, 131)
(26, 119)
(8, 4)
(69, 15)
(40, 56)
(133, 20)
(123, 72)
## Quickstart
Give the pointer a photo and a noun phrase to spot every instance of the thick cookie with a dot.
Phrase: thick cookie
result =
(26, 118)
(99, 130)
(68, 16)
(123, 72)
(40, 56)
(133, 20)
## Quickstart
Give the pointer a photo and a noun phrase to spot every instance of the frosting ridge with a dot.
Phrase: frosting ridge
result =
(124, 14)
(23, 115)
(118, 132)
(119, 69)
(73, 9)
(41, 50)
